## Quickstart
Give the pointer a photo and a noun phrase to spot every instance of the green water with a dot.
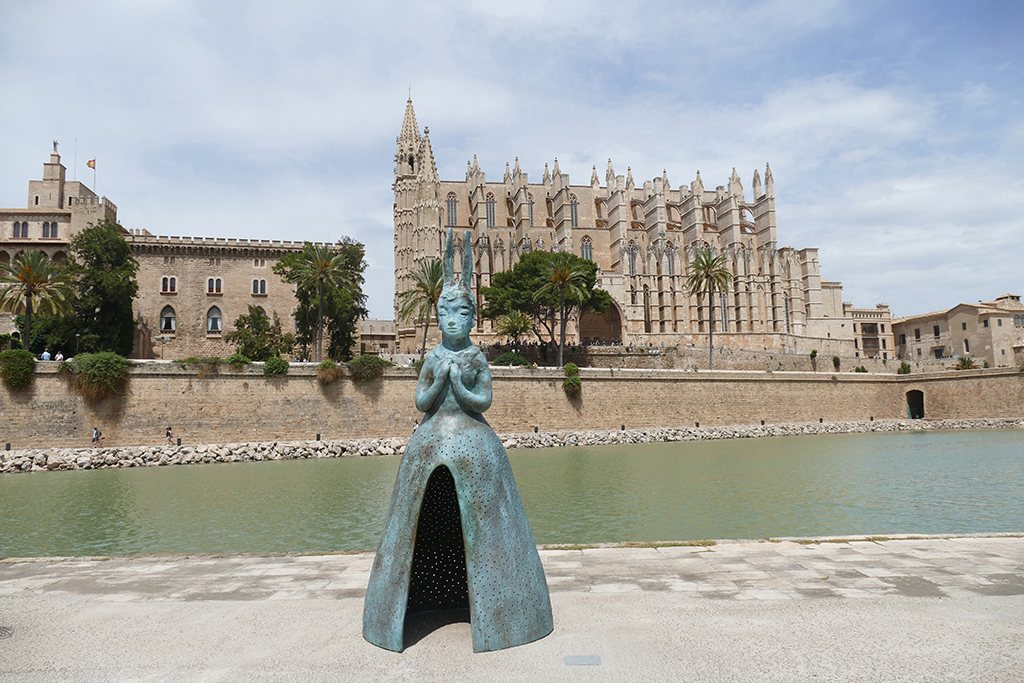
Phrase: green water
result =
(934, 482)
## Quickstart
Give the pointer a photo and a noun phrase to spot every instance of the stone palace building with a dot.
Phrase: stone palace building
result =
(642, 237)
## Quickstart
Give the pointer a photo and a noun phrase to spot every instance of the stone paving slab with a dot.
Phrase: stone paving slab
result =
(932, 608)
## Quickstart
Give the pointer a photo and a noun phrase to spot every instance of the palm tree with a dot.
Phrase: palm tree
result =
(33, 281)
(420, 302)
(513, 325)
(708, 276)
(319, 266)
(567, 276)
(965, 363)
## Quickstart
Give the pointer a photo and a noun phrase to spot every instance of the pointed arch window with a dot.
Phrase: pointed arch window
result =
(490, 210)
(647, 309)
(213, 319)
(631, 251)
(530, 197)
(167, 319)
(587, 248)
(452, 217)
(574, 211)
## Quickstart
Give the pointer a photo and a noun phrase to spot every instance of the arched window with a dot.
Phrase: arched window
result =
(530, 197)
(209, 286)
(412, 164)
(17, 231)
(574, 211)
(46, 230)
(452, 217)
(259, 287)
(631, 251)
(167, 319)
(213, 286)
(490, 210)
(164, 284)
(587, 248)
(647, 309)
(217, 285)
(213, 320)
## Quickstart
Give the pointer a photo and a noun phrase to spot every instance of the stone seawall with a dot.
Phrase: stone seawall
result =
(242, 406)
(41, 460)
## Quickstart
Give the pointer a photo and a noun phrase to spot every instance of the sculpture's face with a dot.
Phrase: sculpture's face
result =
(456, 316)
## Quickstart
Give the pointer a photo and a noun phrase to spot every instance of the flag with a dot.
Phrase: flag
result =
(91, 164)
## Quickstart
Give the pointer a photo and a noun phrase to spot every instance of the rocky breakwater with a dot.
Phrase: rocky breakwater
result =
(38, 460)
(41, 460)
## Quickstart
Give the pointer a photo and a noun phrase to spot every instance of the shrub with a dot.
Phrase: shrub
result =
(368, 366)
(860, 368)
(329, 371)
(814, 353)
(904, 368)
(571, 370)
(572, 385)
(98, 375)
(510, 358)
(275, 366)
(236, 359)
(965, 363)
(417, 365)
(835, 362)
(16, 367)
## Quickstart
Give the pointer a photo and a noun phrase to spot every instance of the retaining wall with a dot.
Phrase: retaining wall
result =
(243, 406)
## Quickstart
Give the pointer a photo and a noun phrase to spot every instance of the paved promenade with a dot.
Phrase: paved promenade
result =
(928, 609)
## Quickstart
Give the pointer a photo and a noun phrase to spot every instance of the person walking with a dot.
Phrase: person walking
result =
(169, 437)
(96, 434)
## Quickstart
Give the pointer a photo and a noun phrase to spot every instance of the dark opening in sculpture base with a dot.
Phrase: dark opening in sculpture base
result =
(439, 558)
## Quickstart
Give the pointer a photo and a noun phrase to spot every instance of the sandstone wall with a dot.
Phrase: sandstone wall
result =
(243, 406)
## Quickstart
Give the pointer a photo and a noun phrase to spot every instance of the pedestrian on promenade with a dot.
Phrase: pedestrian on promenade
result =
(415, 426)
(169, 437)
(60, 357)
(96, 434)
(46, 355)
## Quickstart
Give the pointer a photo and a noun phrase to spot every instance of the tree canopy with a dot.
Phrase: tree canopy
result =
(32, 281)
(103, 271)
(257, 337)
(330, 296)
(549, 288)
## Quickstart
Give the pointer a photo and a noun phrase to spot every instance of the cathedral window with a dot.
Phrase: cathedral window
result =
(587, 248)
(452, 213)
(259, 287)
(530, 196)
(631, 251)
(647, 309)
(725, 313)
(213, 321)
(574, 211)
(167, 319)
(490, 210)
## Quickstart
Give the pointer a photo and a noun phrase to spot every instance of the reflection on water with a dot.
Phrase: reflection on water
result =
(925, 482)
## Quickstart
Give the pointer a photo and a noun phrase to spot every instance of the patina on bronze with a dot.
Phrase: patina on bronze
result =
(456, 535)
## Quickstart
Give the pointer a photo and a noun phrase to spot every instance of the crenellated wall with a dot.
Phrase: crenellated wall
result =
(233, 406)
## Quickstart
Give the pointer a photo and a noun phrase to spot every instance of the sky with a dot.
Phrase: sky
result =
(894, 129)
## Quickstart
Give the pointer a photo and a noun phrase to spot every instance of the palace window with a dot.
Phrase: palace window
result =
(453, 207)
(967, 346)
(259, 287)
(259, 263)
(213, 321)
(213, 286)
(46, 230)
(17, 230)
(903, 339)
(167, 319)
(963, 326)
(984, 322)
(587, 248)
(169, 285)
(917, 334)
(215, 262)
(574, 211)
(490, 210)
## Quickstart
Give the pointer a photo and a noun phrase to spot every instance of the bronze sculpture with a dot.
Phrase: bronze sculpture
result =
(456, 534)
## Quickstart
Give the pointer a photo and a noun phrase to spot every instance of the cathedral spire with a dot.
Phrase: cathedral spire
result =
(508, 174)
(735, 186)
(629, 178)
(410, 137)
(594, 180)
(769, 182)
(547, 175)
(758, 191)
(427, 165)
(697, 186)
(609, 175)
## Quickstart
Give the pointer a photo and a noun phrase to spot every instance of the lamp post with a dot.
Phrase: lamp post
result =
(77, 335)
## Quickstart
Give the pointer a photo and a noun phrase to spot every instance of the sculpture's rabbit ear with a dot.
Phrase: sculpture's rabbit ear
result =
(467, 261)
(448, 264)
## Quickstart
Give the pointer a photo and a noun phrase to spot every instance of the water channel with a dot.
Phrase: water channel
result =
(919, 482)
